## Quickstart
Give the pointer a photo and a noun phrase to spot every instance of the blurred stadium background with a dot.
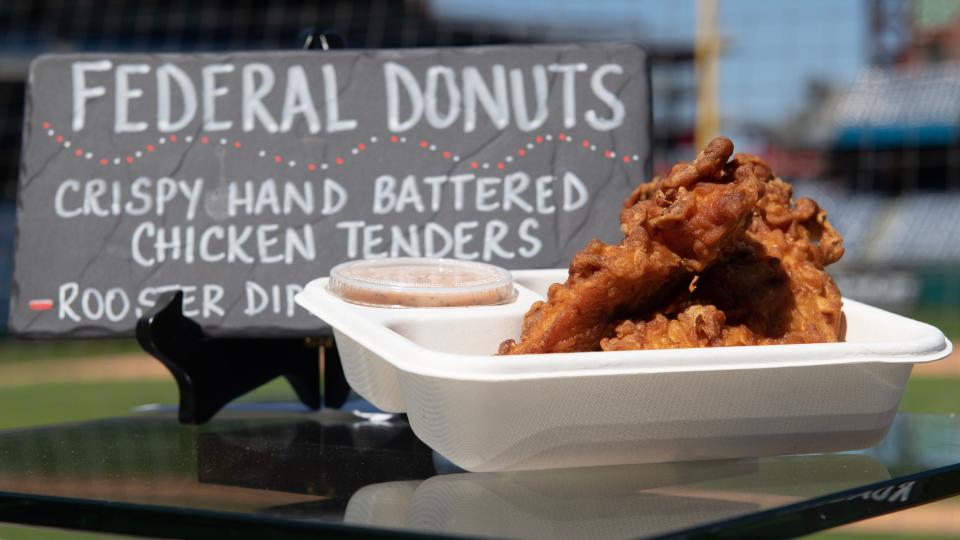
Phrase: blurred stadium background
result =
(855, 101)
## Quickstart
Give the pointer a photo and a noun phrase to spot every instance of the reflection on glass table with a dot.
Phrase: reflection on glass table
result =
(256, 470)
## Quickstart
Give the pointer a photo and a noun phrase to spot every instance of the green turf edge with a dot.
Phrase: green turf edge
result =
(21, 532)
(54, 403)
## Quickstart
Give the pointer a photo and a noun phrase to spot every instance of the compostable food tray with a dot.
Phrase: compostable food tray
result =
(490, 413)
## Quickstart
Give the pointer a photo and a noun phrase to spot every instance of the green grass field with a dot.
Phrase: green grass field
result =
(17, 532)
(947, 320)
(57, 403)
(12, 350)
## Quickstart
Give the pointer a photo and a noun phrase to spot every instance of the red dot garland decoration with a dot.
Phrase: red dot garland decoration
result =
(523, 151)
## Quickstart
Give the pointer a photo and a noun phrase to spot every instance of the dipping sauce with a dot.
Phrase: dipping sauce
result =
(421, 282)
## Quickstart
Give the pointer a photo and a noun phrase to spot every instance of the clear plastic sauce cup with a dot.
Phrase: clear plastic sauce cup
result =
(421, 282)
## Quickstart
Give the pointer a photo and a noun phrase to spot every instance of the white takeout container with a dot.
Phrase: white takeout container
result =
(491, 413)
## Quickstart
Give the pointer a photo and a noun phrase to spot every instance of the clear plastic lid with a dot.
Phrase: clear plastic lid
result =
(421, 282)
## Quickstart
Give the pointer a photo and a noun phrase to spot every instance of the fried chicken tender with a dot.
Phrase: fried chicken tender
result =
(771, 288)
(668, 237)
(708, 163)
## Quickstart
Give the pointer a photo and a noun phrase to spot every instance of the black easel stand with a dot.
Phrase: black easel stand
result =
(212, 372)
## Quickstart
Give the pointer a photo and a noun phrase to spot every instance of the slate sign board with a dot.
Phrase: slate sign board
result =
(240, 177)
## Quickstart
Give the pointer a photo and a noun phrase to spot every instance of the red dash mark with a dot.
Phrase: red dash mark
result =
(311, 167)
(236, 144)
(539, 139)
(46, 125)
(585, 143)
(473, 165)
(361, 147)
(173, 138)
(204, 139)
(562, 136)
(277, 159)
(59, 138)
(393, 138)
(103, 161)
(339, 161)
(44, 304)
(608, 154)
(446, 154)
(129, 159)
(78, 152)
(521, 152)
(500, 165)
(150, 148)
(626, 159)
(424, 144)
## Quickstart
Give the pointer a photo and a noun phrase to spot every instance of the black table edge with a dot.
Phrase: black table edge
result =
(167, 522)
(802, 518)
(836, 509)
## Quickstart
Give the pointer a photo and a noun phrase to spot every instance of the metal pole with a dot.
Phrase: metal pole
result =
(706, 56)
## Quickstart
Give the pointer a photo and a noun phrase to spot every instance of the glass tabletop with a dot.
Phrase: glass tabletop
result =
(280, 471)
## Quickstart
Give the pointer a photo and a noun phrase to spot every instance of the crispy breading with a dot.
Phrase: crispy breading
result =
(668, 237)
(771, 288)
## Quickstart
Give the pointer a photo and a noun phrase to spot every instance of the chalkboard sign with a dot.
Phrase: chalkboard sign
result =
(237, 178)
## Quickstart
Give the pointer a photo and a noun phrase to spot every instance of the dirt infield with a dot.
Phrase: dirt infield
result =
(138, 366)
(948, 367)
(937, 519)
